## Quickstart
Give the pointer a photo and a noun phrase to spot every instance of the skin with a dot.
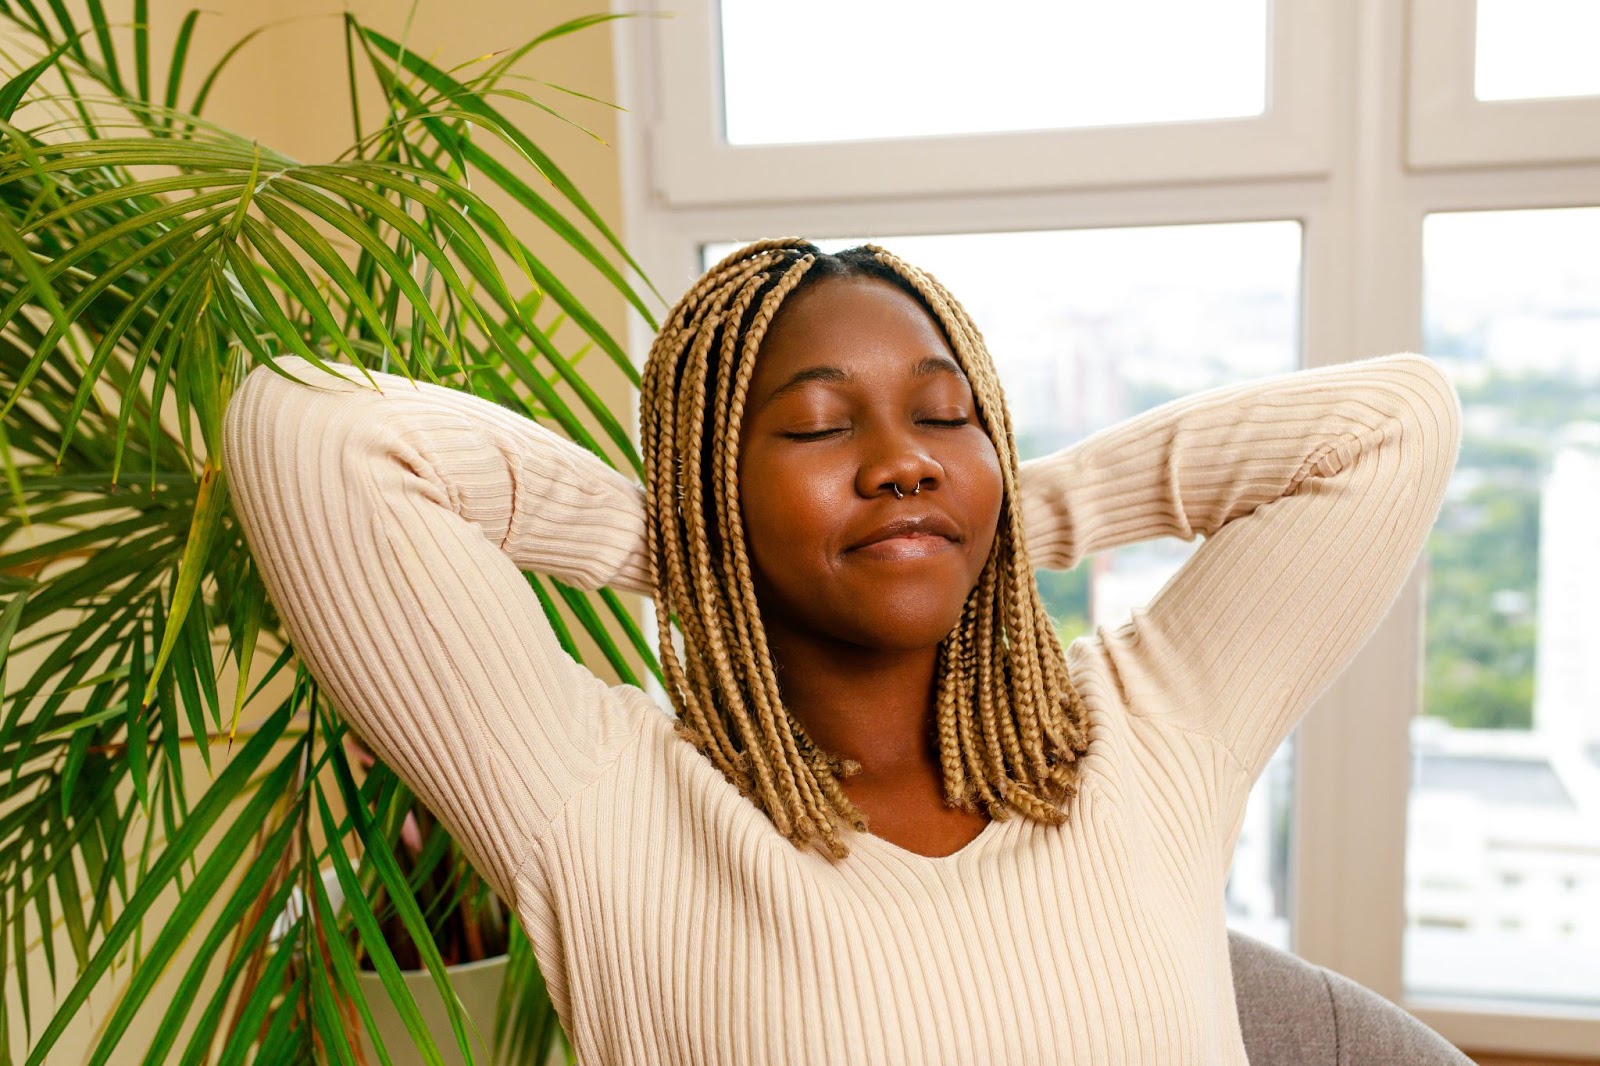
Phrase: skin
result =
(856, 391)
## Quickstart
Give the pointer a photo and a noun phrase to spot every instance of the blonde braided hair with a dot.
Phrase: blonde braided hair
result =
(1010, 723)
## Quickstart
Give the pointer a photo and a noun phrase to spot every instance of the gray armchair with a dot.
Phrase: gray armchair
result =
(1296, 1014)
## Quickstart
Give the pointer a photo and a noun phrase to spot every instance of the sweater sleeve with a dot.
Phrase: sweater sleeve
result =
(389, 526)
(1315, 492)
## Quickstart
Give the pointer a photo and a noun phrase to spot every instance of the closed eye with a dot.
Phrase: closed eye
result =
(813, 434)
(947, 422)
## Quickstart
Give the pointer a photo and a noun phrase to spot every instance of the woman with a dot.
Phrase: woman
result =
(906, 826)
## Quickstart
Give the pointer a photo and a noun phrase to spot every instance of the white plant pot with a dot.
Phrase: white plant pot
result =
(478, 986)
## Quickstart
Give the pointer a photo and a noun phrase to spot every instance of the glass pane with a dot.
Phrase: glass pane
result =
(1537, 48)
(1089, 327)
(1503, 869)
(841, 70)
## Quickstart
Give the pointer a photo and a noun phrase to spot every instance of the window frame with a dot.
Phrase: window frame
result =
(693, 165)
(1361, 207)
(1451, 127)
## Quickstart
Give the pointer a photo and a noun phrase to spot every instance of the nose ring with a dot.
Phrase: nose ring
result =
(916, 490)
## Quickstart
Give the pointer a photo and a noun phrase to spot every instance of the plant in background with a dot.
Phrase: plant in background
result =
(148, 259)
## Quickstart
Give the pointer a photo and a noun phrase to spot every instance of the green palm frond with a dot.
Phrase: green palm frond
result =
(148, 259)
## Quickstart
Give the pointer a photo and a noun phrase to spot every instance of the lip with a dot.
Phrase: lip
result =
(908, 537)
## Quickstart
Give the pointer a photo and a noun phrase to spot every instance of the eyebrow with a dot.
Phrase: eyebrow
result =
(933, 364)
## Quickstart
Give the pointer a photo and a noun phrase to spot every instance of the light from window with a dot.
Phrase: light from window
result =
(1528, 49)
(842, 70)
(1090, 327)
(1505, 790)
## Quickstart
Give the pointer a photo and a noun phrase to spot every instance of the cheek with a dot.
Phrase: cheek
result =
(790, 511)
(983, 492)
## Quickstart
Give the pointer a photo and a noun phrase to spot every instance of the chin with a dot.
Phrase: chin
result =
(903, 640)
(898, 616)
(906, 630)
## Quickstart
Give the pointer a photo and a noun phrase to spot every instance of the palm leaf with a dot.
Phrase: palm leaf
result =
(151, 258)
(228, 787)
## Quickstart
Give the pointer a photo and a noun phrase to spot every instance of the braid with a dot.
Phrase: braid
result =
(1047, 727)
(1010, 724)
(802, 792)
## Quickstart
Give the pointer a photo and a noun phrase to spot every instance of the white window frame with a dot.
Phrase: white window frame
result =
(1451, 127)
(693, 165)
(1361, 202)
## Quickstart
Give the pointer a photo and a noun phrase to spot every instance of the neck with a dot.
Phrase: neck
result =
(871, 706)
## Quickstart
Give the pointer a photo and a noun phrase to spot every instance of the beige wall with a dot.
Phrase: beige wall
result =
(289, 90)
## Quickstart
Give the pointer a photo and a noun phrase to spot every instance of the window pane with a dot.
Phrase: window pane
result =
(841, 70)
(1503, 870)
(1537, 48)
(1089, 327)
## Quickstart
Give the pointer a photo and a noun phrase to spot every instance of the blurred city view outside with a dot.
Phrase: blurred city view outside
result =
(1503, 871)
(1090, 327)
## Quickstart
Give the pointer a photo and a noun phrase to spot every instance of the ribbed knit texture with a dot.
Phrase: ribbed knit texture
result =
(672, 921)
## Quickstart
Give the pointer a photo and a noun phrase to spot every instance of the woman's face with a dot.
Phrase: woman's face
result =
(856, 391)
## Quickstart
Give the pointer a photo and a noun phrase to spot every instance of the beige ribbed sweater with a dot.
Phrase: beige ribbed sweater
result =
(672, 921)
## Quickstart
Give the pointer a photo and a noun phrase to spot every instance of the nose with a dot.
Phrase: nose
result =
(897, 460)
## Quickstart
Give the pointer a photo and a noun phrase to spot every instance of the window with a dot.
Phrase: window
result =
(911, 68)
(1446, 207)
(1528, 49)
(1503, 81)
(1507, 755)
(756, 101)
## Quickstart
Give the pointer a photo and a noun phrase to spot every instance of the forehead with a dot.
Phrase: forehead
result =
(848, 322)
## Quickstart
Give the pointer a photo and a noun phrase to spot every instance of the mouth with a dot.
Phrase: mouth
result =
(916, 546)
(911, 537)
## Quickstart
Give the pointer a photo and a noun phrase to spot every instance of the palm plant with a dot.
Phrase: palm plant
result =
(148, 259)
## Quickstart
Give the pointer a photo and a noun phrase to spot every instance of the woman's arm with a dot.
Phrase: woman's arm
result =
(389, 528)
(1315, 492)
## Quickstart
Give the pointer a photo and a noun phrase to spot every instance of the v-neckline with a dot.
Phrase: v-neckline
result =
(907, 855)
